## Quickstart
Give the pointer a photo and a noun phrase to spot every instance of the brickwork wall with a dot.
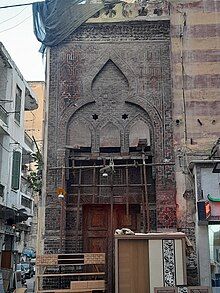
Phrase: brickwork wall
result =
(109, 70)
(140, 55)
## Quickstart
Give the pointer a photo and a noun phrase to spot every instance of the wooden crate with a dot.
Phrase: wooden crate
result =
(95, 261)
(92, 285)
(165, 290)
(47, 260)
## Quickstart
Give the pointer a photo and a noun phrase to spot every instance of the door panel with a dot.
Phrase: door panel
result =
(95, 227)
(97, 244)
(98, 219)
(6, 259)
(97, 235)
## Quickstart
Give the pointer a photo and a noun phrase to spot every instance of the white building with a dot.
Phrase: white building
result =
(16, 195)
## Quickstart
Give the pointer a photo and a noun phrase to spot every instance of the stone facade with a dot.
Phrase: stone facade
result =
(105, 82)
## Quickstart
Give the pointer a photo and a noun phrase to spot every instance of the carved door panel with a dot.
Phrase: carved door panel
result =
(96, 227)
(97, 235)
(122, 220)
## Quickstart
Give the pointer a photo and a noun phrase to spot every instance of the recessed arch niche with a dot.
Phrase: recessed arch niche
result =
(110, 80)
(139, 130)
(79, 134)
(110, 136)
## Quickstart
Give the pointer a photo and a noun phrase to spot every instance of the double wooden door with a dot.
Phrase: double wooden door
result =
(99, 224)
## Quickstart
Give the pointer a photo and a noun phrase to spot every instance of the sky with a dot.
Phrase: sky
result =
(19, 39)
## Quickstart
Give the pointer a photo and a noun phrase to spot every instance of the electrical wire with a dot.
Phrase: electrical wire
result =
(13, 16)
(17, 5)
(16, 24)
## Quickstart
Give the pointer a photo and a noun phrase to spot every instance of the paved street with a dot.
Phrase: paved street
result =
(30, 284)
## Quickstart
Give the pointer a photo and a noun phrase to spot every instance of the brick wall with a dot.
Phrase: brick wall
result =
(109, 70)
(83, 69)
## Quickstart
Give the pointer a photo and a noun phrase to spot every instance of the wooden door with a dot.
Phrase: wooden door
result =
(98, 234)
(96, 228)
(6, 260)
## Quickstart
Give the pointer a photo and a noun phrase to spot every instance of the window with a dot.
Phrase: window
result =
(18, 104)
(16, 170)
(2, 190)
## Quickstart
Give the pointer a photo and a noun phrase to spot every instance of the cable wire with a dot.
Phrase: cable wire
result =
(17, 5)
(16, 24)
(13, 16)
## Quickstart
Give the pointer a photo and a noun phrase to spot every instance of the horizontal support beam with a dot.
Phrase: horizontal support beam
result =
(109, 185)
(115, 166)
(71, 274)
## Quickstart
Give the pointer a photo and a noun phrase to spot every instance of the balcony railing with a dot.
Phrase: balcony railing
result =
(26, 188)
(3, 115)
(26, 202)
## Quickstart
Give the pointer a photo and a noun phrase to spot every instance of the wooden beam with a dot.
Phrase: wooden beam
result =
(62, 210)
(93, 183)
(70, 290)
(115, 166)
(127, 193)
(112, 236)
(143, 201)
(109, 185)
(78, 205)
(71, 274)
(146, 194)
